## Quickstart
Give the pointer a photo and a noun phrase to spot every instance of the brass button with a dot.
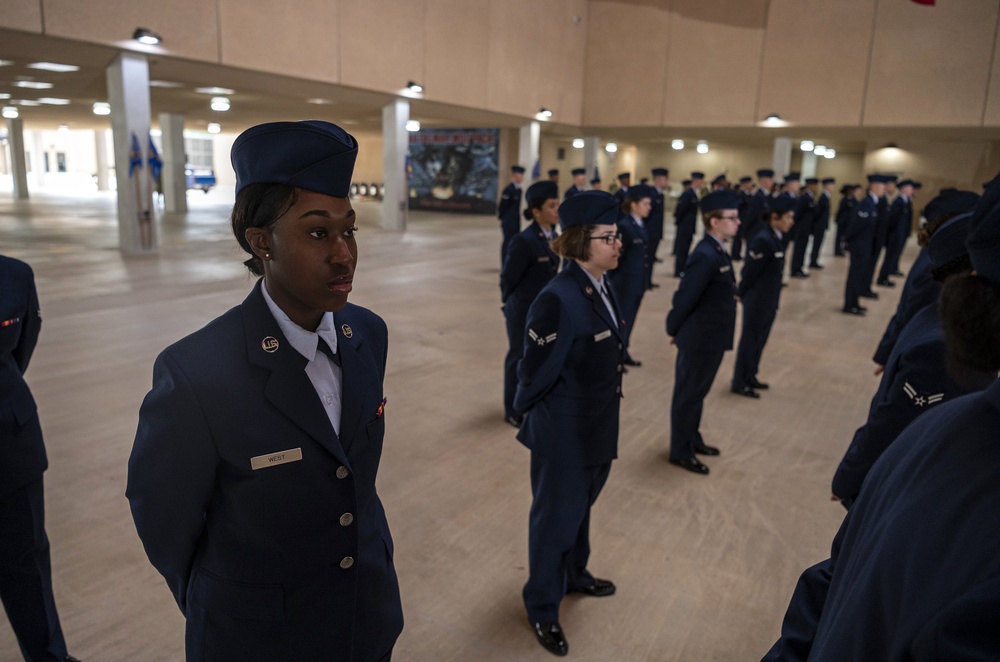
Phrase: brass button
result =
(342, 472)
(346, 562)
(346, 519)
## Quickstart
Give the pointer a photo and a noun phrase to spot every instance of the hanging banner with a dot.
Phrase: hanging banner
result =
(453, 170)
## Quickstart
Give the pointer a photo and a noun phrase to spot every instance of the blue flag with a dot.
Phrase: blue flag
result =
(536, 171)
(134, 156)
(155, 164)
(597, 173)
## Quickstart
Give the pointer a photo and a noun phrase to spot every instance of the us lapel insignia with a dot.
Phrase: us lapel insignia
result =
(269, 344)
(589, 290)
(346, 330)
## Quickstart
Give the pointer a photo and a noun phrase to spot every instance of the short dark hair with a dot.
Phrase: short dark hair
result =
(706, 218)
(574, 243)
(970, 314)
(259, 206)
(535, 203)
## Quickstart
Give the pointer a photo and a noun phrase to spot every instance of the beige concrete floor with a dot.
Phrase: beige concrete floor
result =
(704, 566)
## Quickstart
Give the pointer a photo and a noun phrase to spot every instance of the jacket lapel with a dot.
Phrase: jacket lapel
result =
(288, 388)
(596, 301)
(354, 386)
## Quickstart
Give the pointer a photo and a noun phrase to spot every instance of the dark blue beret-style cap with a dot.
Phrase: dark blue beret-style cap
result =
(948, 241)
(589, 208)
(543, 190)
(984, 235)
(660, 172)
(783, 204)
(624, 175)
(697, 175)
(950, 201)
(723, 199)
(516, 169)
(876, 178)
(641, 191)
(812, 180)
(829, 180)
(312, 155)
(553, 172)
(793, 177)
(578, 171)
(765, 172)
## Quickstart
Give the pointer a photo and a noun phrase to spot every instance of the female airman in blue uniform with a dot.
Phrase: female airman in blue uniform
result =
(252, 476)
(569, 392)
(631, 276)
(529, 266)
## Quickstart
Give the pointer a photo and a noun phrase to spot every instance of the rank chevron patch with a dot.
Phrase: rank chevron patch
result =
(541, 340)
(922, 399)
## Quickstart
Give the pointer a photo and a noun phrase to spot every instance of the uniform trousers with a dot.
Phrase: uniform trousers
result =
(858, 277)
(516, 315)
(818, 233)
(756, 328)
(559, 533)
(509, 227)
(839, 240)
(26, 575)
(893, 251)
(801, 235)
(682, 245)
(695, 372)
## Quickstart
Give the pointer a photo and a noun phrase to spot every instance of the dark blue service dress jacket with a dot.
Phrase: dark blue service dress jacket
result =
(915, 379)
(630, 277)
(570, 379)
(704, 306)
(919, 290)
(757, 210)
(760, 284)
(264, 522)
(914, 573)
(22, 450)
(530, 265)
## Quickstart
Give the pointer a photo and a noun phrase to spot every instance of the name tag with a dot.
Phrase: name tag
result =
(602, 335)
(274, 459)
(780, 254)
(724, 269)
(543, 259)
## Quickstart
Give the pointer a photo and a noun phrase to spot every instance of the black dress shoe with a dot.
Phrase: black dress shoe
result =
(514, 420)
(760, 386)
(657, 260)
(840, 254)
(898, 274)
(632, 362)
(747, 392)
(799, 274)
(705, 449)
(550, 636)
(815, 265)
(691, 464)
(869, 295)
(601, 588)
(855, 311)
(886, 283)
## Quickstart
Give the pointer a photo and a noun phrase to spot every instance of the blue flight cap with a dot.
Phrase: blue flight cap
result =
(624, 175)
(542, 190)
(578, 171)
(793, 177)
(746, 180)
(950, 201)
(765, 172)
(918, 185)
(588, 208)
(984, 235)
(783, 204)
(718, 178)
(828, 180)
(595, 180)
(811, 180)
(905, 182)
(697, 175)
(686, 182)
(660, 172)
(517, 170)
(876, 178)
(723, 199)
(639, 192)
(891, 179)
(553, 173)
(948, 241)
(312, 155)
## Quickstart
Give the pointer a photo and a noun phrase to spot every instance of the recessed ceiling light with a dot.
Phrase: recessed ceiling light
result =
(10, 112)
(220, 104)
(702, 148)
(102, 108)
(214, 127)
(63, 128)
(6, 63)
(54, 66)
(4, 95)
(31, 84)
(321, 102)
(807, 145)
(544, 112)
(25, 102)
(416, 88)
(677, 144)
(578, 143)
(146, 36)
(611, 148)
(164, 83)
(819, 150)
(830, 153)
(349, 122)
(53, 101)
(214, 90)
(412, 126)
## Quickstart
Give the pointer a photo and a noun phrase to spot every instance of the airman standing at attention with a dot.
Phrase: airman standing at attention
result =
(624, 181)
(845, 210)
(701, 325)
(758, 209)
(554, 176)
(805, 209)
(629, 278)
(860, 236)
(654, 222)
(509, 209)
(897, 228)
(745, 191)
(686, 218)
(821, 221)
(579, 183)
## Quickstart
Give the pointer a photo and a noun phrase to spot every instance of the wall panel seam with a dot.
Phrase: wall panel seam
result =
(868, 69)
(760, 64)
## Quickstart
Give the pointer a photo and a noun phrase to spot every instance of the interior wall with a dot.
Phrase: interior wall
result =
(22, 15)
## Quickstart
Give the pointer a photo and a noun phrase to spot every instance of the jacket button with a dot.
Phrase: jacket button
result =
(346, 562)
(619, 367)
(342, 472)
(346, 519)
(618, 389)
(619, 345)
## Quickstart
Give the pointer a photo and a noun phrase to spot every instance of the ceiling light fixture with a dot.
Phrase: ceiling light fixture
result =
(53, 66)
(63, 128)
(677, 144)
(611, 148)
(321, 102)
(146, 36)
(416, 88)
(53, 101)
(10, 112)
(820, 150)
(807, 145)
(220, 104)
(164, 83)
(578, 143)
(544, 112)
(31, 84)
(702, 147)
(412, 126)
(215, 91)
(214, 127)
(830, 153)
(102, 108)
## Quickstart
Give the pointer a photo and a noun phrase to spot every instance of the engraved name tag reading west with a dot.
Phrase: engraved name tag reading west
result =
(273, 459)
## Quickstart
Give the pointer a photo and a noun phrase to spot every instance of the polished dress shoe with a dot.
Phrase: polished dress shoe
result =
(886, 283)
(898, 274)
(705, 449)
(746, 391)
(550, 636)
(691, 464)
(632, 362)
(514, 420)
(601, 588)
(869, 295)
(815, 265)
(760, 386)
(799, 274)
(857, 310)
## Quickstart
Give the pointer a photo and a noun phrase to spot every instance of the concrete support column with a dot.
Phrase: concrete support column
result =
(128, 92)
(18, 166)
(174, 160)
(808, 165)
(101, 155)
(38, 158)
(591, 152)
(529, 137)
(782, 159)
(395, 145)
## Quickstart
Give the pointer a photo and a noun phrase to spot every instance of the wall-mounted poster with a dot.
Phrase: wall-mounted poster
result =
(454, 170)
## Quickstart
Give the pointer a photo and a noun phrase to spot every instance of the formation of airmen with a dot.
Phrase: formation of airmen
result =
(756, 224)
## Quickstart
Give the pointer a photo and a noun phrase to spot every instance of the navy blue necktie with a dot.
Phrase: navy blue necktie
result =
(323, 347)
